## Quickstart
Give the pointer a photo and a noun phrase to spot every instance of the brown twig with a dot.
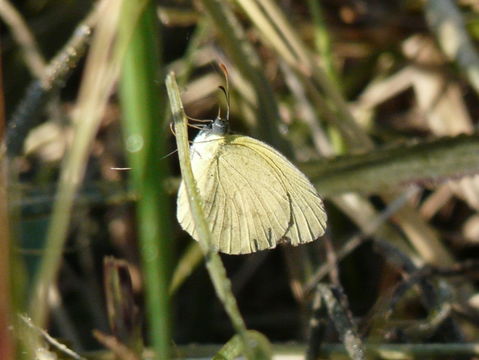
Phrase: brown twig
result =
(54, 76)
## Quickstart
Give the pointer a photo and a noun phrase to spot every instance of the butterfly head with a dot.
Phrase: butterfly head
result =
(220, 126)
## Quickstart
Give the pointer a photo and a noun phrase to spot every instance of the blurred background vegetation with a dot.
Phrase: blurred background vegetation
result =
(377, 101)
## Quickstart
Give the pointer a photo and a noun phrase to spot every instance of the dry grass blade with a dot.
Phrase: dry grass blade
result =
(100, 76)
(447, 23)
(33, 57)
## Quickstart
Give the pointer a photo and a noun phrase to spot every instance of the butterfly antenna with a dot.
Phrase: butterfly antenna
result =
(226, 90)
(172, 129)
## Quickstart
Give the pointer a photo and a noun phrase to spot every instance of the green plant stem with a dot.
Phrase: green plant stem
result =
(385, 169)
(214, 264)
(142, 103)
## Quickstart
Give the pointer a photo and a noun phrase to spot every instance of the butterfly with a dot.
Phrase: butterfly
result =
(253, 197)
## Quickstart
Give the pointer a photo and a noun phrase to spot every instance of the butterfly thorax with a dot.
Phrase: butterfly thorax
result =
(206, 145)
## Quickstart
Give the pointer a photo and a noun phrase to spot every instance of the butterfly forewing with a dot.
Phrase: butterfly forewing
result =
(253, 197)
(255, 200)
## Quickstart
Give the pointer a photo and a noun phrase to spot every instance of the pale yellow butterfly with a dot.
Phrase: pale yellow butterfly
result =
(253, 197)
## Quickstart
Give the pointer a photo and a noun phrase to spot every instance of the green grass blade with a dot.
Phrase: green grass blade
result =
(141, 99)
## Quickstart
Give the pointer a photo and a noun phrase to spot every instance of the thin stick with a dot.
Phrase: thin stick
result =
(51, 340)
(24, 37)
